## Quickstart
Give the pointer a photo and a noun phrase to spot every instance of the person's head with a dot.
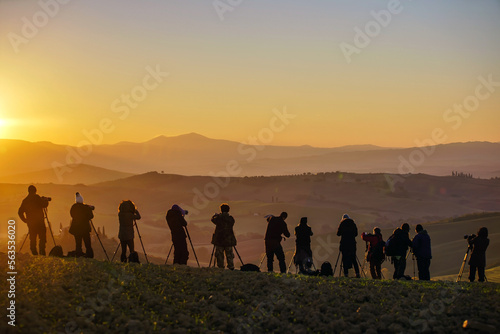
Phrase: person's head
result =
(283, 215)
(303, 221)
(178, 208)
(78, 198)
(419, 228)
(483, 232)
(127, 206)
(346, 216)
(406, 227)
(31, 189)
(376, 231)
(224, 207)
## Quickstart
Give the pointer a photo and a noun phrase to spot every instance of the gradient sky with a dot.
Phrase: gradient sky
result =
(226, 76)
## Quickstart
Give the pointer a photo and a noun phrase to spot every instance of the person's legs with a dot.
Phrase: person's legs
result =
(123, 256)
(378, 269)
(373, 269)
(89, 252)
(346, 263)
(33, 236)
(229, 257)
(472, 273)
(42, 235)
(181, 251)
(480, 273)
(219, 255)
(354, 261)
(396, 263)
(270, 258)
(280, 255)
(78, 245)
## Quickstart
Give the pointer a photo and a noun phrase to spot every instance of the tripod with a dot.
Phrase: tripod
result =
(192, 247)
(459, 277)
(212, 257)
(45, 218)
(140, 239)
(362, 272)
(97, 234)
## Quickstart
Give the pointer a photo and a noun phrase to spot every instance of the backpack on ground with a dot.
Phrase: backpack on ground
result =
(57, 251)
(390, 246)
(326, 269)
(134, 257)
(249, 267)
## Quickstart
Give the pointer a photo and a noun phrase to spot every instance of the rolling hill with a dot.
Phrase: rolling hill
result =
(193, 154)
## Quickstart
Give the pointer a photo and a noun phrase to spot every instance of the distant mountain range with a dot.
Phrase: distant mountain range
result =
(193, 154)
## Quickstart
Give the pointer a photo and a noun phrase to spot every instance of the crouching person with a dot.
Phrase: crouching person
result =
(223, 238)
(127, 214)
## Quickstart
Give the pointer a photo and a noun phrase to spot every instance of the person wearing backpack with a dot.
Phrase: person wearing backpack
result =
(223, 238)
(348, 232)
(375, 255)
(127, 214)
(421, 247)
(397, 247)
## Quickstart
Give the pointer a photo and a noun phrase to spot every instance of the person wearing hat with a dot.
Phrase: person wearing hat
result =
(127, 214)
(31, 212)
(275, 228)
(303, 253)
(176, 223)
(223, 238)
(81, 215)
(348, 232)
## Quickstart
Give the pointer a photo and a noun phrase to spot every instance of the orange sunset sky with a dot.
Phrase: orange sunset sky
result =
(351, 72)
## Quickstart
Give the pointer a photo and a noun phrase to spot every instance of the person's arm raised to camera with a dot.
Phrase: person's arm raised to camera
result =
(137, 215)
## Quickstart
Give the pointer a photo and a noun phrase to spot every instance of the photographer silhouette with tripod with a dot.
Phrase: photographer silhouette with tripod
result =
(32, 212)
(478, 245)
(223, 238)
(177, 223)
(81, 215)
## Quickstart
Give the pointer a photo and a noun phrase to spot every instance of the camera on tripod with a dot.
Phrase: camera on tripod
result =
(91, 206)
(48, 199)
(469, 236)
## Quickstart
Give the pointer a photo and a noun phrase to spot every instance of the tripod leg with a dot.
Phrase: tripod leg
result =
(168, 255)
(25, 238)
(237, 253)
(459, 277)
(104, 249)
(362, 271)
(50, 227)
(262, 260)
(211, 257)
(192, 247)
(115, 252)
(414, 275)
(290, 265)
(336, 262)
(140, 239)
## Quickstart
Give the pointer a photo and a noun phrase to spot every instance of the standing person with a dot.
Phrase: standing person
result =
(303, 252)
(176, 223)
(81, 215)
(31, 212)
(478, 244)
(276, 226)
(375, 255)
(397, 247)
(421, 247)
(223, 238)
(127, 214)
(347, 232)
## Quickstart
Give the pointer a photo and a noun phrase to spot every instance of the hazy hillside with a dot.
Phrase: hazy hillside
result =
(89, 296)
(194, 154)
(77, 174)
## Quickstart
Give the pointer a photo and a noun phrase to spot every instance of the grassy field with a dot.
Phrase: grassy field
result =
(67, 295)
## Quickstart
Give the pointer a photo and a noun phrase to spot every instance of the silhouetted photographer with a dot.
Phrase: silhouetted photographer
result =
(478, 245)
(375, 254)
(421, 247)
(80, 228)
(127, 215)
(177, 223)
(303, 253)
(223, 238)
(276, 227)
(347, 232)
(32, 213)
